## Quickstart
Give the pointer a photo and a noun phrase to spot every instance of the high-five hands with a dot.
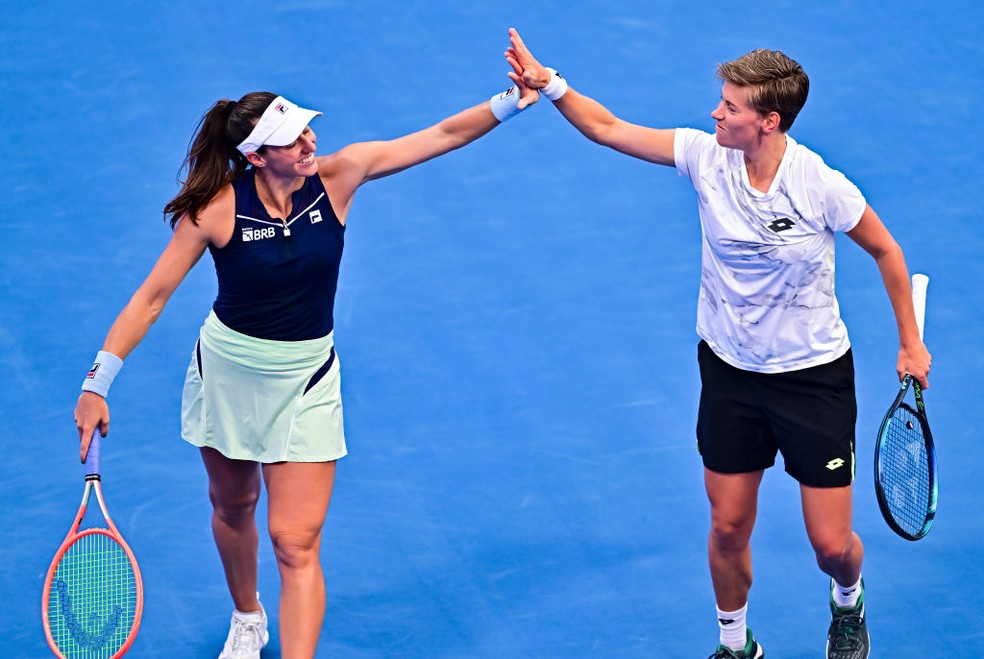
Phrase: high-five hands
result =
(527, 73)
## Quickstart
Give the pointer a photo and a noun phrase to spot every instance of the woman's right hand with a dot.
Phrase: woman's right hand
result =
(91, 413)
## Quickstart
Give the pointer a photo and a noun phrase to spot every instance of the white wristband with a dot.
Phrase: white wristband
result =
(557, 86)
(102, 373)
(506, 104)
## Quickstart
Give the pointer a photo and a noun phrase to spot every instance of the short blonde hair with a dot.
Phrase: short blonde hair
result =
(775, 83)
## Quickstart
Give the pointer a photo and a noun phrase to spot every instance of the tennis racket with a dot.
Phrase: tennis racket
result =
(905, 456)
(93, 594)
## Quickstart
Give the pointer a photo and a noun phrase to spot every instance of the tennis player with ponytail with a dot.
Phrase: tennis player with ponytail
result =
(777, 374)
(261, 397)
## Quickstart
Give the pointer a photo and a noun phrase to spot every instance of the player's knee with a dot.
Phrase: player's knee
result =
(295, 549)
(833, 549)
(234, 509)
(730, 536)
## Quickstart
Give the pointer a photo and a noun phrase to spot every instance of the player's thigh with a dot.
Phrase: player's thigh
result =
(298, 495)
(734, 500)
(827, 514)
(232, 484)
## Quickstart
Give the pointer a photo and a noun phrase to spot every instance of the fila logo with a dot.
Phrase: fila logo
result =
(836, 463)
(258, 234)
(781, 224)
(315, 216)
(281, 108)
(92, 371)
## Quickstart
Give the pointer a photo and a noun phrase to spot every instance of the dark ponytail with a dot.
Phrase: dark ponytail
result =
(213, 159)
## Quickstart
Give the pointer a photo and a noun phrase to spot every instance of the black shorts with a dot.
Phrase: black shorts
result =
(808, 415)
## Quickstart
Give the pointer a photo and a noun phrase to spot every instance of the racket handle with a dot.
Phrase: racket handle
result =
(92, 457)
(920, 283)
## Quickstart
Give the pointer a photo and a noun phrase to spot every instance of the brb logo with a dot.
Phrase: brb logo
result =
(258, 234)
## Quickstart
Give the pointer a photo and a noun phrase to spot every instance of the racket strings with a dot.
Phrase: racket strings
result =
(93, 598)
(904, 469)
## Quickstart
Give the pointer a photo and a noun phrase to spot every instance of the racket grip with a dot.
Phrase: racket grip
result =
(92, 457)
(920, 283)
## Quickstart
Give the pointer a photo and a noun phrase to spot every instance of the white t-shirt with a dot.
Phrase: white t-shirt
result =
(767, 299)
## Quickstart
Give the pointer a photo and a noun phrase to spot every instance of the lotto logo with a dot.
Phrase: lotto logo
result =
(781, 224)
(835, 464)
(258, 234)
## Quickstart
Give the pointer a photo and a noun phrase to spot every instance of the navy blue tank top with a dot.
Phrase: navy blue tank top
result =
(277, 278)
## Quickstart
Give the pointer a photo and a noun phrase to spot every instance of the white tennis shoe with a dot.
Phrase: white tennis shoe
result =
(247, 635)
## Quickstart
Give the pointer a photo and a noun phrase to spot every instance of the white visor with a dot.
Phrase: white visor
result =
(282, 122)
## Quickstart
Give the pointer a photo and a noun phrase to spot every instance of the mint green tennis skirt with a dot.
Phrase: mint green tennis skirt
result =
(261, 400)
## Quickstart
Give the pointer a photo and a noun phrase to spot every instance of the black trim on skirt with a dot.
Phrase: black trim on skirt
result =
(321, 372)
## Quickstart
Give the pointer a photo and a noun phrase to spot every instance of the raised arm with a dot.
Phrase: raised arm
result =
(870, 233)
(355, 164)
(590, 117)
(184, 250)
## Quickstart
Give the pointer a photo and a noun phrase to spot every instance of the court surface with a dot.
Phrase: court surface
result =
(515, 320)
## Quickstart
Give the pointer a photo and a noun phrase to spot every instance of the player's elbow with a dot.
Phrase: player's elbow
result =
(887, 252)
(146, 311)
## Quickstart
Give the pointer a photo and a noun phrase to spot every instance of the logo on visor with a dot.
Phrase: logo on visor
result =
(281, 108)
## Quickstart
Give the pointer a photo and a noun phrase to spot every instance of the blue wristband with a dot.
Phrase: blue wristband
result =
(102, 373)
(506, 104)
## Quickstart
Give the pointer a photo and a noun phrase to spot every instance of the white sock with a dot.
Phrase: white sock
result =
(732, 624)
(847, 597)
(248, 616)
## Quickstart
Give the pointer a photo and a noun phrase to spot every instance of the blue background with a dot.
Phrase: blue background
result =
(515, 320)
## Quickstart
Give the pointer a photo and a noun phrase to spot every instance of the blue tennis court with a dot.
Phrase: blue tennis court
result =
(515, 320)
